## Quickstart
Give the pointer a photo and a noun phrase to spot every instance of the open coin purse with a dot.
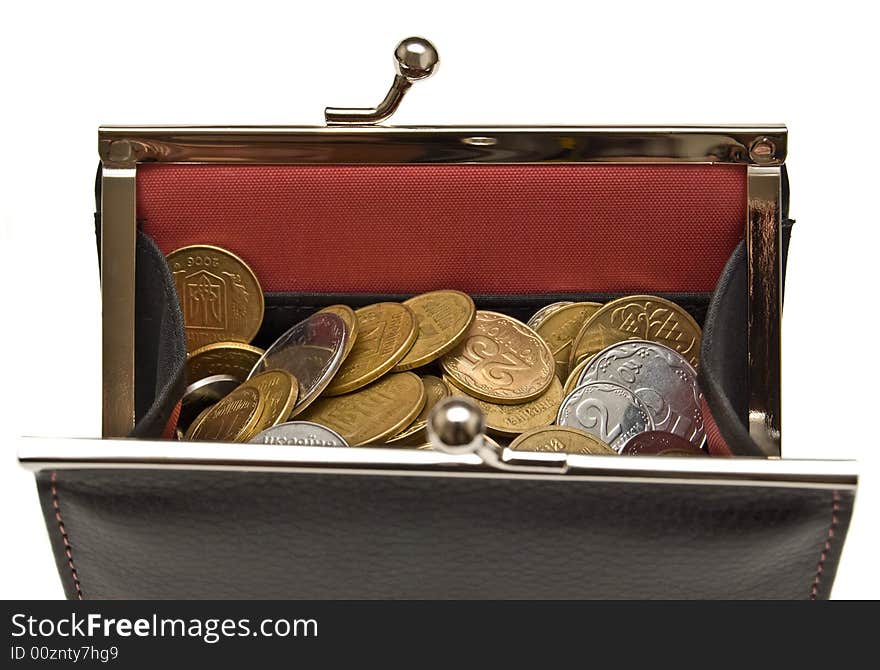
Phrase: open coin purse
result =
(518, 218)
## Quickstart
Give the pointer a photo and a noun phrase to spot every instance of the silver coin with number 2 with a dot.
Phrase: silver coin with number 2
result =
(609, 411)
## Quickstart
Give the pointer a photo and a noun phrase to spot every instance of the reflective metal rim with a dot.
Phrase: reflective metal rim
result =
(764, 251)
(117, 299)
(37, 454)
(423, 144)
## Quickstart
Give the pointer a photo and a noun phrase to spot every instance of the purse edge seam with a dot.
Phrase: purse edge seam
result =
(65, 538)
(825, 549)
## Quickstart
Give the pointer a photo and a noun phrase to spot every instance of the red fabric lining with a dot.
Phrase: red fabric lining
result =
(715, 442)
(499, 229)
(170, 431)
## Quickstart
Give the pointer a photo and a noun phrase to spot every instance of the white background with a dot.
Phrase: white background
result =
(68, 67)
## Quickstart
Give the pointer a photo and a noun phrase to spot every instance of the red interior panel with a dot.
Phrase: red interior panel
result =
(477, 228)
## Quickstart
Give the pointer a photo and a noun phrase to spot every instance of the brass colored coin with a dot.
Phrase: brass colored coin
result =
(222, 358)
(386, 332)
(349, 318)
(435, 390)
(443, 318)
(203, 393)
(279, 390)
(413, 435)
(511, 420)
(200, 417)
(371, 414)
(233, 419)
(583, 359)
(560, 327)
(544, 312)
(561, 439)
(572, 381)
(639, 317)
(501, 360)
(221, 299)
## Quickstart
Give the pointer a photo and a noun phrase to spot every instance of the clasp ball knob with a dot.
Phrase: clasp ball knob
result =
(456, 426)
(416, 58)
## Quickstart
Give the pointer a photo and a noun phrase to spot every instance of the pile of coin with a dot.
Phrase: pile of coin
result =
(579, 377)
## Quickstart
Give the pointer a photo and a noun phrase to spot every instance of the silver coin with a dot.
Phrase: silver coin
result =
(609, 411)
(658, 376)
(203, 393)
(300, 434)
(311, 351)
(546, 311)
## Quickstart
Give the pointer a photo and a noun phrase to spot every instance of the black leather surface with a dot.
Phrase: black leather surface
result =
(724, 351)
(160, 344)
(142, 534)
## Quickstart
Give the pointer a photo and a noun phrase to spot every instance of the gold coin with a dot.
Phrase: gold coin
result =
(221, 299)
(511, 420)
(560, 327)
(435, 390)
(500, 360)
(443, 318)
(386, 331)
(279, 390)
(574, 375)
(639, 317)
(233, 419)
(222, 358)
(195, 423)
(412, 436)
(371, 414)
(349, 318)
(561, 439)
(544, 312)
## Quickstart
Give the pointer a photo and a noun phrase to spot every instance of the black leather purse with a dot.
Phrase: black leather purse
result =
(518, 217)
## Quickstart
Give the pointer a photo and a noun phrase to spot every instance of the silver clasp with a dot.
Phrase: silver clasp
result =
(415, 58)
(457, 426)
